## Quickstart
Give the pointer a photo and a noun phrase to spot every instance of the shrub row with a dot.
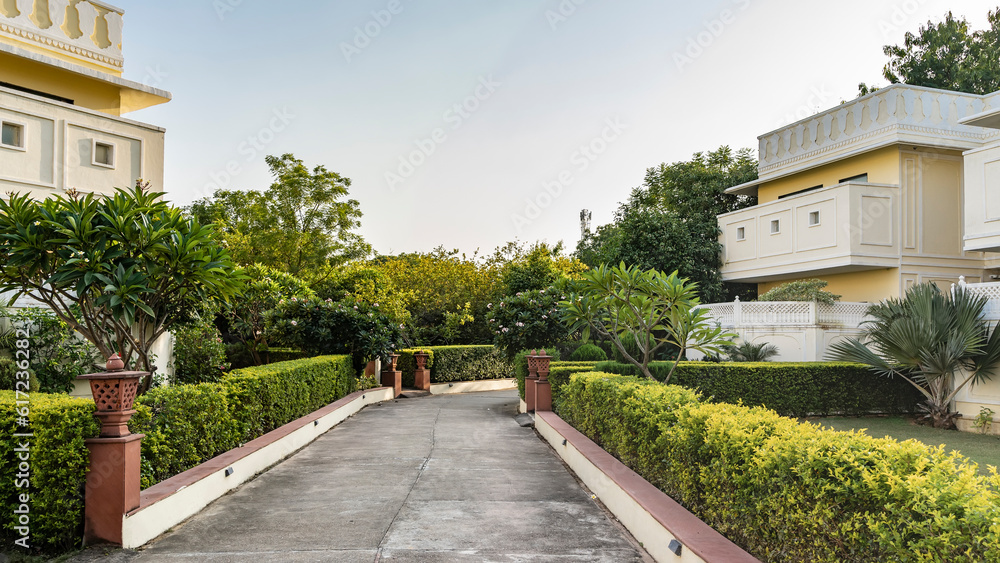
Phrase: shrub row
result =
(791, 389)
(456, 363)
(407, 363)
(186, 425)
(786, 491)
(58, 464)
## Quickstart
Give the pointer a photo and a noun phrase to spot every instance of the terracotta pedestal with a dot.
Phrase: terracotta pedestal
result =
(543, 389)
(394, 379)
(112, 488)
(529, 382)
(422, 375)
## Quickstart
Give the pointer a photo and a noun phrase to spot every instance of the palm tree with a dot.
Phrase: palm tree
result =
(938, 343)
(750, 352)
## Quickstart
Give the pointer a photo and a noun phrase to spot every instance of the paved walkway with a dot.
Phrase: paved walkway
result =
(441, 478)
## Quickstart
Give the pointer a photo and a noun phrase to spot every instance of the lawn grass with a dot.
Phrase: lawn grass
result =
(980, 448)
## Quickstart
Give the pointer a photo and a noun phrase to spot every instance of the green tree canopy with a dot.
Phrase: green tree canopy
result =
(670, 223)
(301, 224)
(946, 55)
(120, 270)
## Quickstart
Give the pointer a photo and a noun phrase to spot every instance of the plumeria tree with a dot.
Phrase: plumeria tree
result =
(649, 307)
(120, 269)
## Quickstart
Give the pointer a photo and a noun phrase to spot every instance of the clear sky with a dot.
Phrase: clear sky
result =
(470, 123)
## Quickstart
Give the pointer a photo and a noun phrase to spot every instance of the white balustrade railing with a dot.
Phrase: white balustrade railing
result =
(788, 313)
(89, 28)
(905, 107)
(991, 291)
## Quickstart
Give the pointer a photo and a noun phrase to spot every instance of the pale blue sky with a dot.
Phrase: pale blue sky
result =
(639, 82)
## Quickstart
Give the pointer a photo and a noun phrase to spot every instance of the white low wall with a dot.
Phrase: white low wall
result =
(473, 386)
(148, 522)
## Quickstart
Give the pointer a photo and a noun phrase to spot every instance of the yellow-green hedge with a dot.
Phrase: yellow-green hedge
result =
(58, 464)
(787, 491)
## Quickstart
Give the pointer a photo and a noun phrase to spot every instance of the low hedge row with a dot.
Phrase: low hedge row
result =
(791, 389)
(786, 491)
(456, 363)
(58, 460)
(186, 425)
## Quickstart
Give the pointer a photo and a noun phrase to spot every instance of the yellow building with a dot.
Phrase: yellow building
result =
(867, 195)
(62, 98)
(61, 101)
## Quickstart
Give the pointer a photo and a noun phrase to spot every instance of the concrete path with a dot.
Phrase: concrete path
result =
(442, 478)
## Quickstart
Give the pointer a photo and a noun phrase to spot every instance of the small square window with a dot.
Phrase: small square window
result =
(741, 233)
(104, 154)
(813, 218)
(12, 135)
(775, 227)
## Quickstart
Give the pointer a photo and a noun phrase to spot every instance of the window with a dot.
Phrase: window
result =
(12, 135)
(813, 218)
(104, 154)
(741, 233)
(863, 178)
(775, 227)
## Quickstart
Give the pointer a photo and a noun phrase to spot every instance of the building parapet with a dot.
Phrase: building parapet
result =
(88, 29)
(788, 313)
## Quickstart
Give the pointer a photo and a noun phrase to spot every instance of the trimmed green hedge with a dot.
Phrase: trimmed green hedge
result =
(469, 363)
(58, 464)
(787, 491)
(186, 425)
(792, 389)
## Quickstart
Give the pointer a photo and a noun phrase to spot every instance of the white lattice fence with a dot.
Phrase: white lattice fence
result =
(788, 313)
(991, 291)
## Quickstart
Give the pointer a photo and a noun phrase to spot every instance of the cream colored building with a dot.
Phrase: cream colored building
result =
(875, 195)
(62, 97)
(867, 195)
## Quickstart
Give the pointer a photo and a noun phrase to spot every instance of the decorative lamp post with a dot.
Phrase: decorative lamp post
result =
(529, 383)
(112, 488)
(543, 389)
(391, 377)
(422, 375)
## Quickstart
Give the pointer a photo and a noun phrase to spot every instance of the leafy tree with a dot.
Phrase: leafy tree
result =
(120, 270)
(300, 225)
(324, 328)
(199, 354)
(946, 55)
(527, 320)
(359, 283)
(247, 316)
(801, 290)
(670, 223)
(653, 309)
(938, 343)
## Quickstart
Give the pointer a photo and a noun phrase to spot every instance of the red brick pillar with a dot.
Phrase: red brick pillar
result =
(422, 375)
(391, 377)
(112, 488)
(543, 389)
(529, 382)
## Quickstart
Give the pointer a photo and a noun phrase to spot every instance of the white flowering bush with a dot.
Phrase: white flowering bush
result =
(529, 319)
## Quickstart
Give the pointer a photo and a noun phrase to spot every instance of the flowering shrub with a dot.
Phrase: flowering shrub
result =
(529, 319)
(327, 328)
(58, 355)
(199, 354)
